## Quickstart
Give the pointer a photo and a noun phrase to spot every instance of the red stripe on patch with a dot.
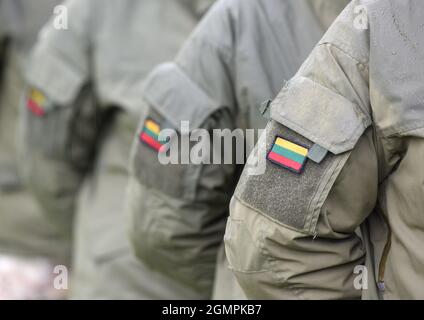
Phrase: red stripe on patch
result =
(150, 141)
(35, 108)
(285, 161)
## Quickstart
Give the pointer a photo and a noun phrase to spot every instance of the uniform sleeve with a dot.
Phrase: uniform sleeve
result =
(58, 128)
(291, 232)
(178, 211)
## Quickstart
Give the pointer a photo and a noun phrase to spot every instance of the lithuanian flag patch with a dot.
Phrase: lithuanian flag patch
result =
(150, 135)
(288, 155)
(37, 103)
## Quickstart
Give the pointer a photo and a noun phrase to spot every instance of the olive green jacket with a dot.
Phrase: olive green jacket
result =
(88, 81)
(23, 228)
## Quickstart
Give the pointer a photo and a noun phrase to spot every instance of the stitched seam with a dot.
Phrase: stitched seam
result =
(315, 138)
(335, 169)
(411, 126)
(311, 211)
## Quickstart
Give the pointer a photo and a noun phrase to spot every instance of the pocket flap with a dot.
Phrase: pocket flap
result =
(177, 98)
(332, 122)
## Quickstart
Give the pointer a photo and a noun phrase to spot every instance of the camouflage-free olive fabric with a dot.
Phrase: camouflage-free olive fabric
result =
(358, 97)
(98, 63)
(239, 56)
(24, 230)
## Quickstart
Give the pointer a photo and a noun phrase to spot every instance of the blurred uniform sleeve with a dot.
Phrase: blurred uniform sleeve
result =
(3, 39)
(3, 43)
(291, 232)
(178, 211)
(59, 127)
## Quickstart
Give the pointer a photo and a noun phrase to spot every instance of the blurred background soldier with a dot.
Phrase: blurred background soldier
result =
(30, 245)
(239, 56)
(82, 110)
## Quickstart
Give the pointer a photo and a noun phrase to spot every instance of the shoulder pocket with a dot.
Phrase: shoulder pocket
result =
(178, 209)
(307, 142)
(321, 115)
(175, 108)
(58, 95)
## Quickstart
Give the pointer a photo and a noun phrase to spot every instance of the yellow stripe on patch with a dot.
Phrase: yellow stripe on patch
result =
(292, 147)
(38, 97)
(152, 126)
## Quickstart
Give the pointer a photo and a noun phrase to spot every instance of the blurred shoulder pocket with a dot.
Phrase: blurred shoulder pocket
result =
(307, 144)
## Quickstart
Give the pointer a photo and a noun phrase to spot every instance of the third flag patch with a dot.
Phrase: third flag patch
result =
(37, 103)
(288, 155)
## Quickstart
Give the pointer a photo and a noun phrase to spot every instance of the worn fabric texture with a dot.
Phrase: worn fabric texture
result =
(240, 55)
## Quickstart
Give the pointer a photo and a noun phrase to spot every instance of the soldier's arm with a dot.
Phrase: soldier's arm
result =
(59, 118)
(3, 47)
(291, 233)
(178, 211)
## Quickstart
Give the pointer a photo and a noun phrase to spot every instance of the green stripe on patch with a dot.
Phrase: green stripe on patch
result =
(288, 154)
(151, 133)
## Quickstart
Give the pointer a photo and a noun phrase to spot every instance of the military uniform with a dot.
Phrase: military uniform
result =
(343, 150)
(239, 56)
(86, 83)
(24, 231)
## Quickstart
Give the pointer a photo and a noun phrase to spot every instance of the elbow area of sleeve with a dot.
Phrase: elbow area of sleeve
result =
(272, 261)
